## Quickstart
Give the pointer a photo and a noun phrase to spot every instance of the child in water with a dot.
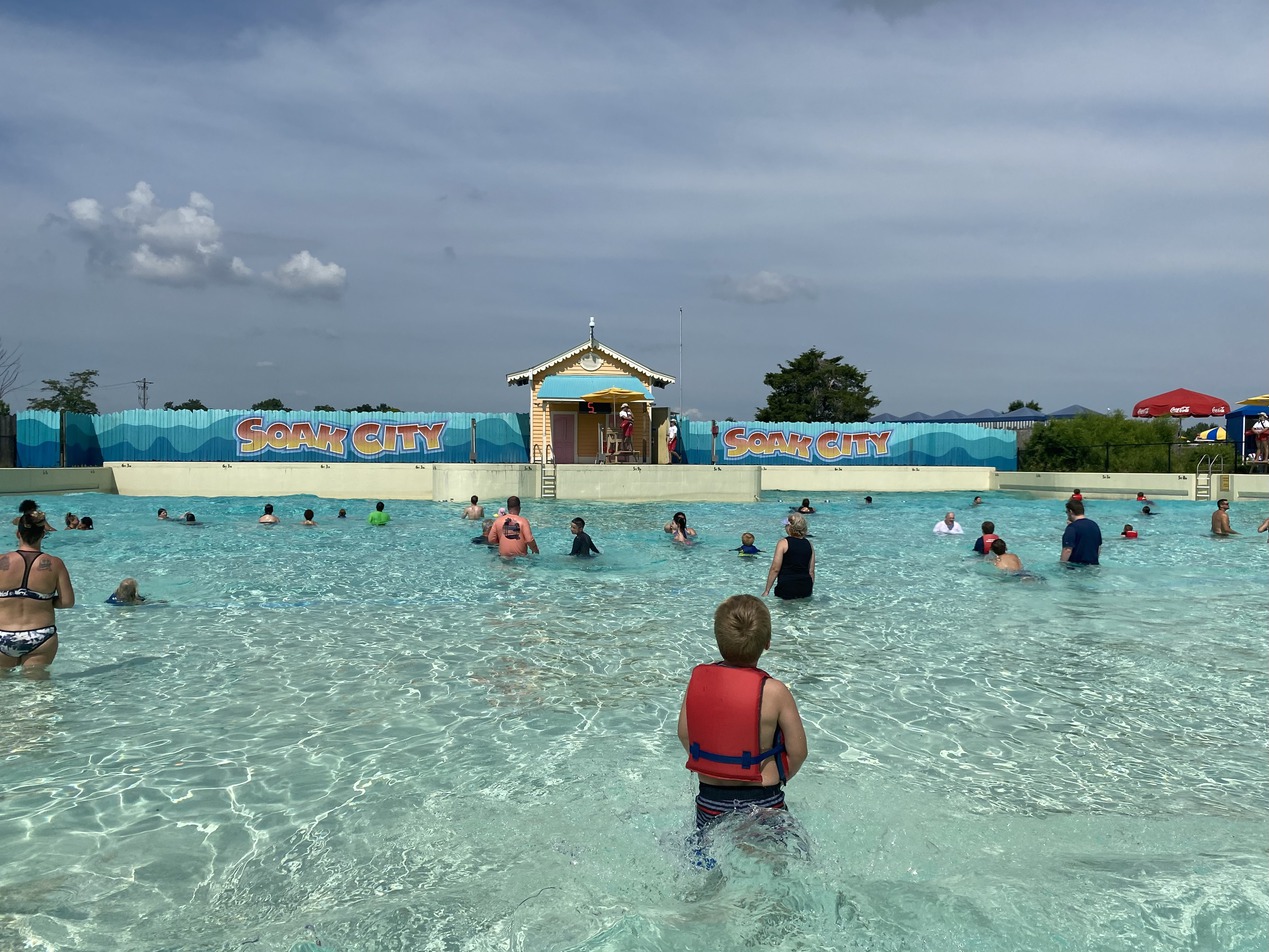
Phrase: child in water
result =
(747, 546)
(126, 594)
(582, 544)
(734, 709)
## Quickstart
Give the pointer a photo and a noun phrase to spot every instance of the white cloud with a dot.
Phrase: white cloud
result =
(86, 212)
(765, 287)
(177, 270)
(182, 247)
(304, 274)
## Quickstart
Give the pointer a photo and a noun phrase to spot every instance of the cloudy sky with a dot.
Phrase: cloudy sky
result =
(361, 202)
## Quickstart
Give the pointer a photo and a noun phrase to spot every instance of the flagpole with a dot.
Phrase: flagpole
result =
(680, 364)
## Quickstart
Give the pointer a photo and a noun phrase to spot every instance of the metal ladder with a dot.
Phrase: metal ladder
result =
(1207, 465)
(547, 462)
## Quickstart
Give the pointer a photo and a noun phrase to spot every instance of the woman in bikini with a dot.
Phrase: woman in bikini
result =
(32, 585)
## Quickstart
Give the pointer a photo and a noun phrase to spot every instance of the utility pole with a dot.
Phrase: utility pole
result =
(144, 386)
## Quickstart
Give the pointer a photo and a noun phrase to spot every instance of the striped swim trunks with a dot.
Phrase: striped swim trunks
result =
(714, 801)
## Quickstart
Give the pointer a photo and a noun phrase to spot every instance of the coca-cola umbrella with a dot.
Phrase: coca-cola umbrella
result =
(1181, 403)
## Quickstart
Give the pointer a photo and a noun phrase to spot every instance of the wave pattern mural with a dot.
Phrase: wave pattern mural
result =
(39, 439)
(851, 444)
(294, 436)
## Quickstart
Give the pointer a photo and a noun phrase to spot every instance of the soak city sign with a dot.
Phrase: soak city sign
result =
(369, 440)
(827, 446)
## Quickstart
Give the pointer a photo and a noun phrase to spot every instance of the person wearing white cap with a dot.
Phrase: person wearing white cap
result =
(1260, 429)
(626, 419)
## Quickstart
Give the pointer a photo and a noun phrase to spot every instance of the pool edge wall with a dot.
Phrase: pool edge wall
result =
(495, 481)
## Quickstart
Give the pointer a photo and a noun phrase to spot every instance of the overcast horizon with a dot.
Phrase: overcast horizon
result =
(348, 203)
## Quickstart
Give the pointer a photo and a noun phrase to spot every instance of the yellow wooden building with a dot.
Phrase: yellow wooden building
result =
(575, 398)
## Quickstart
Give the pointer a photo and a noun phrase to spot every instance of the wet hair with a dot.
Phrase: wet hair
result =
(746, 538)
(988, 527)
(190, 517)
(127, 591)
(806, 503)
(379, 506)
(308, 514)
(162, 512)
(86, 522)
(997, 546)
(513, 504)
(268, 508)
(28, 505)
(680, 520)
(1075, 507)
(797, 525)
(742, 628)
(1146, 510)
(71, 519)
(30, 529)
(485, 526)
(868, 499)
(1128, 527)
(579, 522)
(343, 514)
(474, 500)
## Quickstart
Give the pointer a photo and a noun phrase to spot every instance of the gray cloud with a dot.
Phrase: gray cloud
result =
(973, 183)
(765, 287)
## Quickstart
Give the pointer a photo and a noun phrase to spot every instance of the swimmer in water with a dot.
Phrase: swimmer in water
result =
(806, 507)
(1005, 560)
(32, 584)
(126, 594)
(681, 532)
(747, 546)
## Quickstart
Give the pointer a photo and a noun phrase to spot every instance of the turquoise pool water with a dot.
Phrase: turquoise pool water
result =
(390, 739)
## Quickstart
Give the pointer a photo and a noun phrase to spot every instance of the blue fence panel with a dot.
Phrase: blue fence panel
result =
(39, 439)
(311, 436)
(851, 444)
(82, 446)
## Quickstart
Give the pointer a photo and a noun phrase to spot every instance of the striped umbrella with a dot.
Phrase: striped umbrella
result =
(1214, 434)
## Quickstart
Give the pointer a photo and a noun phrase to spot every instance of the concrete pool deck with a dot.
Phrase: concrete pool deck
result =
(633, 483)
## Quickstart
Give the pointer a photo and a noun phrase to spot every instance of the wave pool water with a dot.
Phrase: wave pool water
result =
(388, 738)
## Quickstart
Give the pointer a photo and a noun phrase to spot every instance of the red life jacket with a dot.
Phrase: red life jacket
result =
(1130, 534)
(988, 539)
(724, 724)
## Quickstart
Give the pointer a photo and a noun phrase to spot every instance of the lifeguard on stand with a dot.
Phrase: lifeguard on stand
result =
(626, 422)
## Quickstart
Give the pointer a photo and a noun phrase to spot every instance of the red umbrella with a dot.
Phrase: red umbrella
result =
(1181, 403)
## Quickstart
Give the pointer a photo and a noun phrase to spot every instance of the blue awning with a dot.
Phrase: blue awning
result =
(577, 386)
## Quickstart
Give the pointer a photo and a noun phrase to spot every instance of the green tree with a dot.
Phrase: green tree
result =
(1084, 444)
(813, 388)
(273, 403)
(191, 404)
(367, 408)
(1018, 405)
(324, 407)
(69, 395)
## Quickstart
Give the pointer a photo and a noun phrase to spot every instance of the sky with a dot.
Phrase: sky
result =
(403, 202)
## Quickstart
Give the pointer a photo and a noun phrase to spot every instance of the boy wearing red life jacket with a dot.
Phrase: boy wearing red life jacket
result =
(740, 726)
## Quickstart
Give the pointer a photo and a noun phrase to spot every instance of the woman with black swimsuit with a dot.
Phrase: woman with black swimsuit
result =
(792, 563)
(32, 585)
